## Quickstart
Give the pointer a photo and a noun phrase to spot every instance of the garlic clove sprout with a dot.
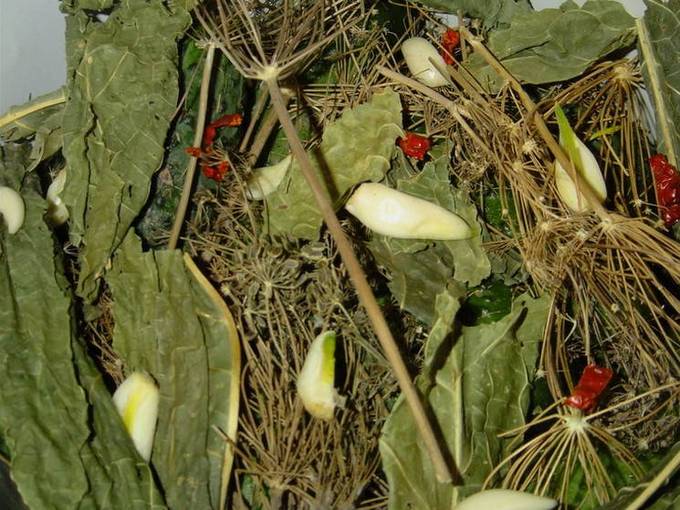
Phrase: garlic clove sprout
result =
(424, 62)
(137, 402)
(393, 213)
(504, 499)
(584, 163)
(57, 212)
(266, 179)
(12, 209)
(315, 381)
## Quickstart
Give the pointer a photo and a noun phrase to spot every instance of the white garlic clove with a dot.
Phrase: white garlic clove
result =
(266, 179)
(505, 499)
(424, 62)
(395, 214)
(12, 209)
(585, 165)
(316, 379)
(57, 212)
(590, 171)
(137, 402)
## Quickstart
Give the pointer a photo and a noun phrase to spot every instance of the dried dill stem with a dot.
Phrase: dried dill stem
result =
(198, 136)
(606, 263)
(270, 45)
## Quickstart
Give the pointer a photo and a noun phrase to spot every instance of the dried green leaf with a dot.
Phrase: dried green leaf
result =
(420, 270)
(167, 325)
(481, 389)
(355, 148)
(123, 90)
(664, 471)
(39, 119)
(69, 447)
(660, 48)
(492, 12)
(556, 44)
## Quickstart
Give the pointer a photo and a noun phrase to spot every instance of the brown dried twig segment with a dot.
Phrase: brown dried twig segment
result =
(198, 137)
(363, 289)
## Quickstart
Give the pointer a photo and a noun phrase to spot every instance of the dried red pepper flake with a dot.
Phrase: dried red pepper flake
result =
(591, 385)
(216, 172)
(229, 120)
(193, 151)
(415, 145)
(210, 132)
(667, 181)
(450, 41)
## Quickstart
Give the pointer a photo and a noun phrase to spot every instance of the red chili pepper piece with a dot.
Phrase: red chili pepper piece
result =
(667, 188)
(216, 172)
(229, 120)
(590, 386)
(415, 145)
(450, 41)
(193, 151)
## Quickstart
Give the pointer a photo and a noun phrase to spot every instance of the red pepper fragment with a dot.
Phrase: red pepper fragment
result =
(193, 151)
(216, 172)
(450, 41)
(229, 120)
(415, 145)
(590, 386)
(667, 188)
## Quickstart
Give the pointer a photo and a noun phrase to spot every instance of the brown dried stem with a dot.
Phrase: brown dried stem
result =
(285, 42)
(198, 136)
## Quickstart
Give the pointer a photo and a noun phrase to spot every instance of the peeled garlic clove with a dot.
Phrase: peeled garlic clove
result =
(57, 213)
(137, 402)
(393, 213)
(590, 171)
(266, 179)
(315, 382)
(12, 209)
(424, 62)
(584, 163)
(504, 499)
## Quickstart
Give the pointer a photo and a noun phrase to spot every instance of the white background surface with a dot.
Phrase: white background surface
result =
(32, 56)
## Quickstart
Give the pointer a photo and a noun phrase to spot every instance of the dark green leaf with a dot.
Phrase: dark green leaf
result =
(487, 304)
(68, 445)
(660, 45)
(123, 88)
(355, 148)
(227, 97)
(167, 326)
(664, 472)
(419, 270)
(556, 44)
(492, 12)
(480, 390)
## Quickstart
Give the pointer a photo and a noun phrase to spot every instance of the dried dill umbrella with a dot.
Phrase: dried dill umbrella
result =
(565, 441)
(620, 269)
(271, 42)
(297, 460)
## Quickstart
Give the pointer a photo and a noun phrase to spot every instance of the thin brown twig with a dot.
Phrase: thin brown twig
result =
(363, 289)
(198, 136)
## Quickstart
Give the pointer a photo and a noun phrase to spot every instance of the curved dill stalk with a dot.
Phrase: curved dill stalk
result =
(270, 45)
(545, 463)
